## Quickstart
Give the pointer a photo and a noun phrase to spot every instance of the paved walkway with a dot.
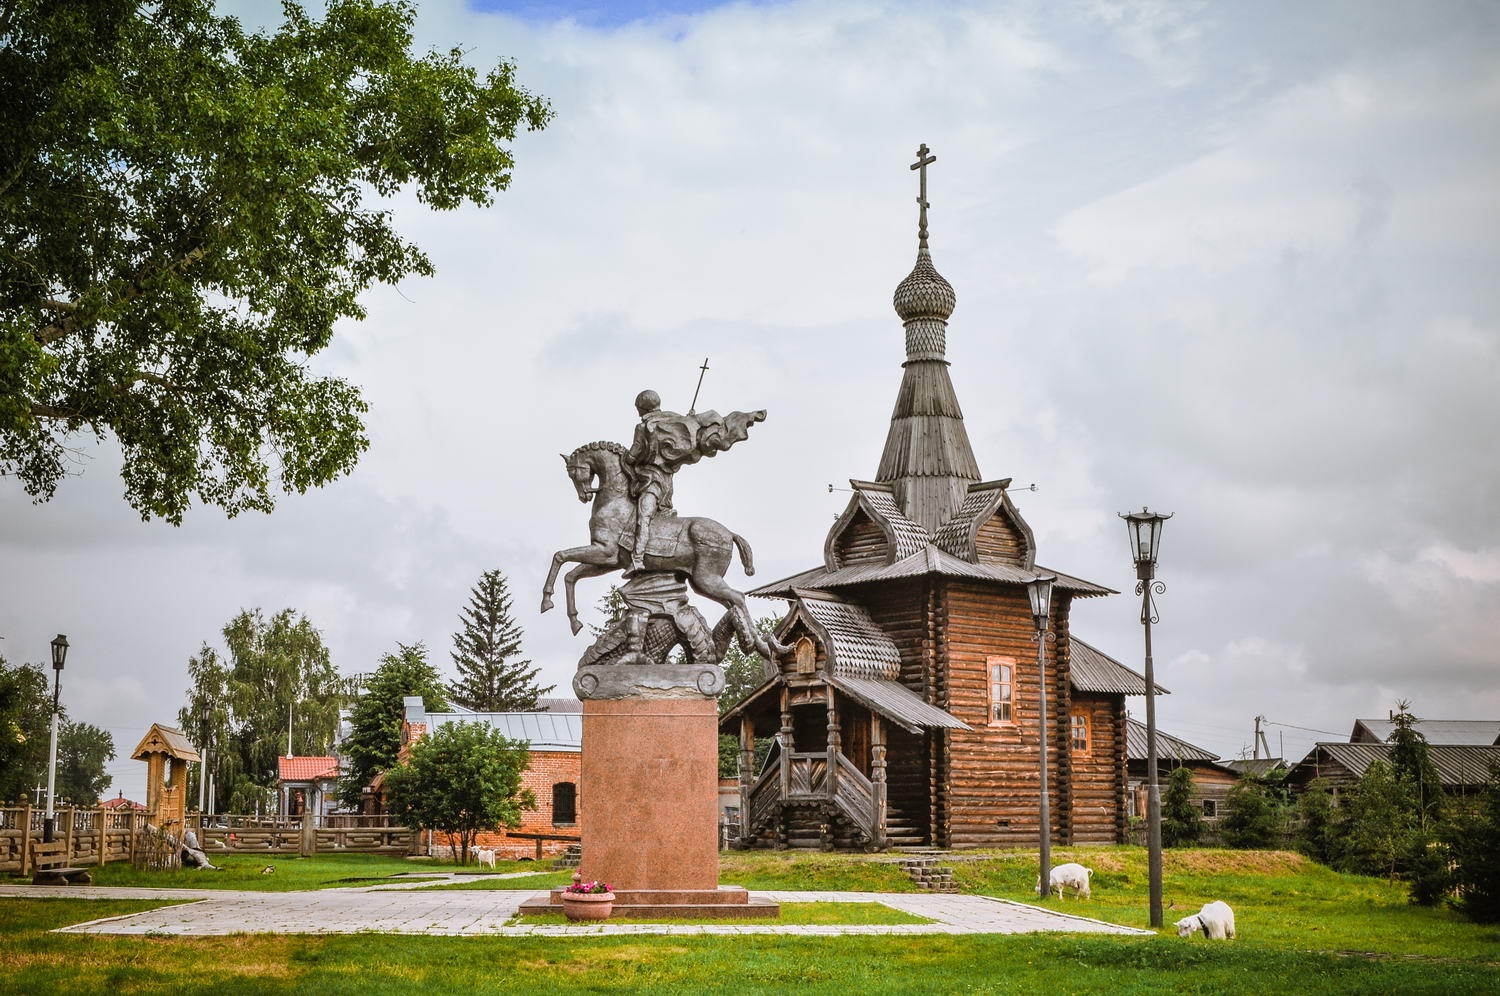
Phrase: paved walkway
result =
(467, 912)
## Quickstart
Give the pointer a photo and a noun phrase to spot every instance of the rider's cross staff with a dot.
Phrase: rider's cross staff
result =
(692, 408)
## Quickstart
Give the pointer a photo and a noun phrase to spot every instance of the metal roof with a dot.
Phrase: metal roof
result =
(1256, 766)
(860, 648)
(1168, 747)
(1475, 732)
(896, 702)
(929, 560)
(1456, 764)
(1095, 671)
(559, 705)
(554, 731)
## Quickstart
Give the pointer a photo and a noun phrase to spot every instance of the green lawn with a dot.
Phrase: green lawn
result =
(291, 873)
(791, 913)
(1281, 900)
(1302, 928)
(548, 880)
(34, 961)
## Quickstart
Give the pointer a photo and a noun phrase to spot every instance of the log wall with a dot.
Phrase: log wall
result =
(993, 779)
(861, 542)
(906, 611)
(998, 540)
(1098, 785)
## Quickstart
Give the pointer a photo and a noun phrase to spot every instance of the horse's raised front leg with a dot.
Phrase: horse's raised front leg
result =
(572, 578)
(575, 554)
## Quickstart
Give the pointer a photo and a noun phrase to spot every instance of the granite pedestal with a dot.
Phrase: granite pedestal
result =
(648, 796)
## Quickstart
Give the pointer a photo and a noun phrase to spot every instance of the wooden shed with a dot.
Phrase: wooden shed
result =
(167, 753)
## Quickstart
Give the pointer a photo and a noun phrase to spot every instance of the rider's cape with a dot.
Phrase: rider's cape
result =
(666, 441)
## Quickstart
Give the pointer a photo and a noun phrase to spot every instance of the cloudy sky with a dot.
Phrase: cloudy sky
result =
(1234, 261)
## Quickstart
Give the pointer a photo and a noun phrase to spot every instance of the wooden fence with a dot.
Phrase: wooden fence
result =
(97, 836)
(90, 836)
(306, 834)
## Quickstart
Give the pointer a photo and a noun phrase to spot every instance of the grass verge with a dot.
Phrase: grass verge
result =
(35, 961)
(290, 873)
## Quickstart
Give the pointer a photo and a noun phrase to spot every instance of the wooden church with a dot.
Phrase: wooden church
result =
(906, 712)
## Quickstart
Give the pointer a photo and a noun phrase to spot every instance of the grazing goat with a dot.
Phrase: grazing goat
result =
(1072, 875)
(1215, 919)
(485, 857)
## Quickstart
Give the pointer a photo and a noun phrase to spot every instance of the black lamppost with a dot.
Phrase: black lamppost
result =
(1039, 589)
(1144, 528)
(59, 656)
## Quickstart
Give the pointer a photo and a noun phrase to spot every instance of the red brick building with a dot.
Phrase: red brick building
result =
(555, 733)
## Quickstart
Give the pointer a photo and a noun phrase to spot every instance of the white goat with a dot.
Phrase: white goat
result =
(1215, 919)
(1072, 875)
(485, 857)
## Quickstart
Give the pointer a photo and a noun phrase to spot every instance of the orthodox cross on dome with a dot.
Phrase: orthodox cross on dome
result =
(923, 161)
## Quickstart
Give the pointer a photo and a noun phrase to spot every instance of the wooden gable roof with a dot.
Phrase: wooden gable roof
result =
(871, 506)
(167, 740)
(987, 505)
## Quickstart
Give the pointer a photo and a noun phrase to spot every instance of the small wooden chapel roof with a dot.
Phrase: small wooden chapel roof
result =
(167, 740)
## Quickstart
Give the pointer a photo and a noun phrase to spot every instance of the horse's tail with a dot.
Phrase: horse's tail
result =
(746, 557)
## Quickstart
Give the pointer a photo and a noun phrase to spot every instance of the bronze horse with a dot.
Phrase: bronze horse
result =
(699, 549)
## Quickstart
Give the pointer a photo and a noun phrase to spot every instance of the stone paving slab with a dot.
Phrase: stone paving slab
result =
(488, 912)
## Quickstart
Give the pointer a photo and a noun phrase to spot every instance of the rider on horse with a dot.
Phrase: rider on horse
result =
(664, 443)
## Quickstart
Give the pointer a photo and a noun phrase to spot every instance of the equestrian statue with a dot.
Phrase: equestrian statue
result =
(634, 528)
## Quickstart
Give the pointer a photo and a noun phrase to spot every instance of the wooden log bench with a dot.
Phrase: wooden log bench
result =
(48, 861)
(539, 837)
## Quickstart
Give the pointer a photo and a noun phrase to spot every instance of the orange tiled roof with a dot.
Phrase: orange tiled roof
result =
(306, 769)
(121, 803)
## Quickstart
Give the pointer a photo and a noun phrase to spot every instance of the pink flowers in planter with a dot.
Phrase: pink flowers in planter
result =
(587, 888)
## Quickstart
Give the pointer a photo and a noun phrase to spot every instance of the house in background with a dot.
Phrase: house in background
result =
(1467, 732)
(1212, 779)
(307, 785)
(1462, 768)
(555, 734)
(1258, 767)
(120, 804)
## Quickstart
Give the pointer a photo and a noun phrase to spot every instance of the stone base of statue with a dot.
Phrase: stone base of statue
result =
(649, 791)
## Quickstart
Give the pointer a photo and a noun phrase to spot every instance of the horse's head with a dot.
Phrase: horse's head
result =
(581, 473)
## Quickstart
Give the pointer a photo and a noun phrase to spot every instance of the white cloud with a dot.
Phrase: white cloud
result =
(1233, 263)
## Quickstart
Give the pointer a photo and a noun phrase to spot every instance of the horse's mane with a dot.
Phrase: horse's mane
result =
(600, 444)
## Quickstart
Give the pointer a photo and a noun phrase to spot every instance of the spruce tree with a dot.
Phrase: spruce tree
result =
(491, 677)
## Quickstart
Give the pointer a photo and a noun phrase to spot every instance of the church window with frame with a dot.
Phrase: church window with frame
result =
(1080, 731)
(1002, 689)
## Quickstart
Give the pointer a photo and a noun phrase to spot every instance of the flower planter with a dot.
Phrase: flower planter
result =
(588, 906)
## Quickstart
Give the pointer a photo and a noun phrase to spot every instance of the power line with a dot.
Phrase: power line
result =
(1309, 729)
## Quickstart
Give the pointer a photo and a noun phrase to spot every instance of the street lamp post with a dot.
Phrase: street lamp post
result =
(1144, 528)
(59, 655)
(1039, 589)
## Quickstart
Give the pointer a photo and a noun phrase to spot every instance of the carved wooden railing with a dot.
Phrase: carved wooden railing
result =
(809, 775)
(765, 799)
(854, 794)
